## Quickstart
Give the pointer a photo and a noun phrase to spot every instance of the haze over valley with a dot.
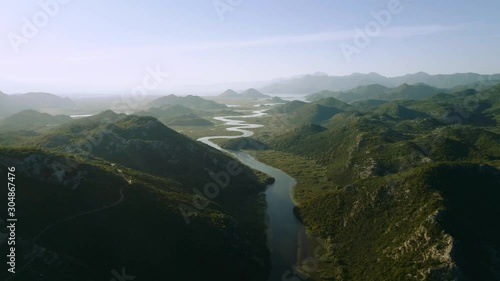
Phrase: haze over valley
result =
(250, 140)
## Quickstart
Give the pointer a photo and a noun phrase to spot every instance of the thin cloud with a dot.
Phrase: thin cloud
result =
(336, 36)
(390, 32)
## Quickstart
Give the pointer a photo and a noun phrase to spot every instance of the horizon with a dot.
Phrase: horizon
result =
(93, 47)
(184, 90)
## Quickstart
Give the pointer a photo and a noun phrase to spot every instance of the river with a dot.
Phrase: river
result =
(284, 228)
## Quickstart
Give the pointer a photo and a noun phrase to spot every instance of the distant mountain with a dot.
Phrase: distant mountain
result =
(302, 113)
(10, 104)
(166, 110)
(31, 119)
(412, 92)
(253, 94)
(193, 102)
(287, 108)
(379, 92)
(333, 102)
(316, 83)
(247, 94)
(230, 94)
(277, 100)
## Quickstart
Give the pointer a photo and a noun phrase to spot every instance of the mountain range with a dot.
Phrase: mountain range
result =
(10, 104)
(309, 84)
(398, 189)
(247, 94)
(115, 190)
(190, 101)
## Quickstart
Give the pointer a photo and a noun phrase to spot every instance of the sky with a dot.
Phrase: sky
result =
(91, 46)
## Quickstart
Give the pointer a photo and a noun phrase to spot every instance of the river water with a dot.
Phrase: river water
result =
(284, 228)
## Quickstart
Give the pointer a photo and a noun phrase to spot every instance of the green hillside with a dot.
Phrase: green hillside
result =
(166, 110)
(193, 102)
(89, 163)
(401, 191)
(31, 119)
(185, 120)
(379, 92)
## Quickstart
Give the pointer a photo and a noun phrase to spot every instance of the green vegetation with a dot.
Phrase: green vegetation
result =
(248, 94)
(88, 163)
(194, 102)
(31, 119)
(379, 92)
(186, 120)
(401, 190)
(11, 104)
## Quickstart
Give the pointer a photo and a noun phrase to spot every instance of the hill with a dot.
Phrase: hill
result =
(11, 104)
(385, 186)
(230, 94)
(379, 92)
(315, 83)
(333, 102)
(166, 110)
(193, 102)
(82, 218)
(186, 120)
(253, 94)
(30, 119)
(137, 174)
(301, 113)
(287, 108)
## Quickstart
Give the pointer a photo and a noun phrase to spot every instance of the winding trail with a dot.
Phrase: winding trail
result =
(284, 228)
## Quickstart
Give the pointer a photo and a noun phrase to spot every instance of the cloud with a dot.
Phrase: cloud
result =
(390, 32)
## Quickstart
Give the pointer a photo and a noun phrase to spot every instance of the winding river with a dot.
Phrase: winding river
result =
(284, 228)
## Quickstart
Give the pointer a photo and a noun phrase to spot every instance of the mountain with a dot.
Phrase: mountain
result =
(287, 108)
(322, 95)
(277, 100)
(385, 187)
(379, 92)
(302, 113)
(186, 120)
(96, 186)
(253, 94)
(413, 92)
(166, 110)
(230, 94)
(193, 102)
(247, 94)
(313, 84)
(11, 104)
(30, 119)
(333, 102)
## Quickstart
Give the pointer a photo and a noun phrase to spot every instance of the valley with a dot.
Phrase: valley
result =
(276, 189)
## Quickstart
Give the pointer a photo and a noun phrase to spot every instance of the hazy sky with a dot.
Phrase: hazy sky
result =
(91, 45)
